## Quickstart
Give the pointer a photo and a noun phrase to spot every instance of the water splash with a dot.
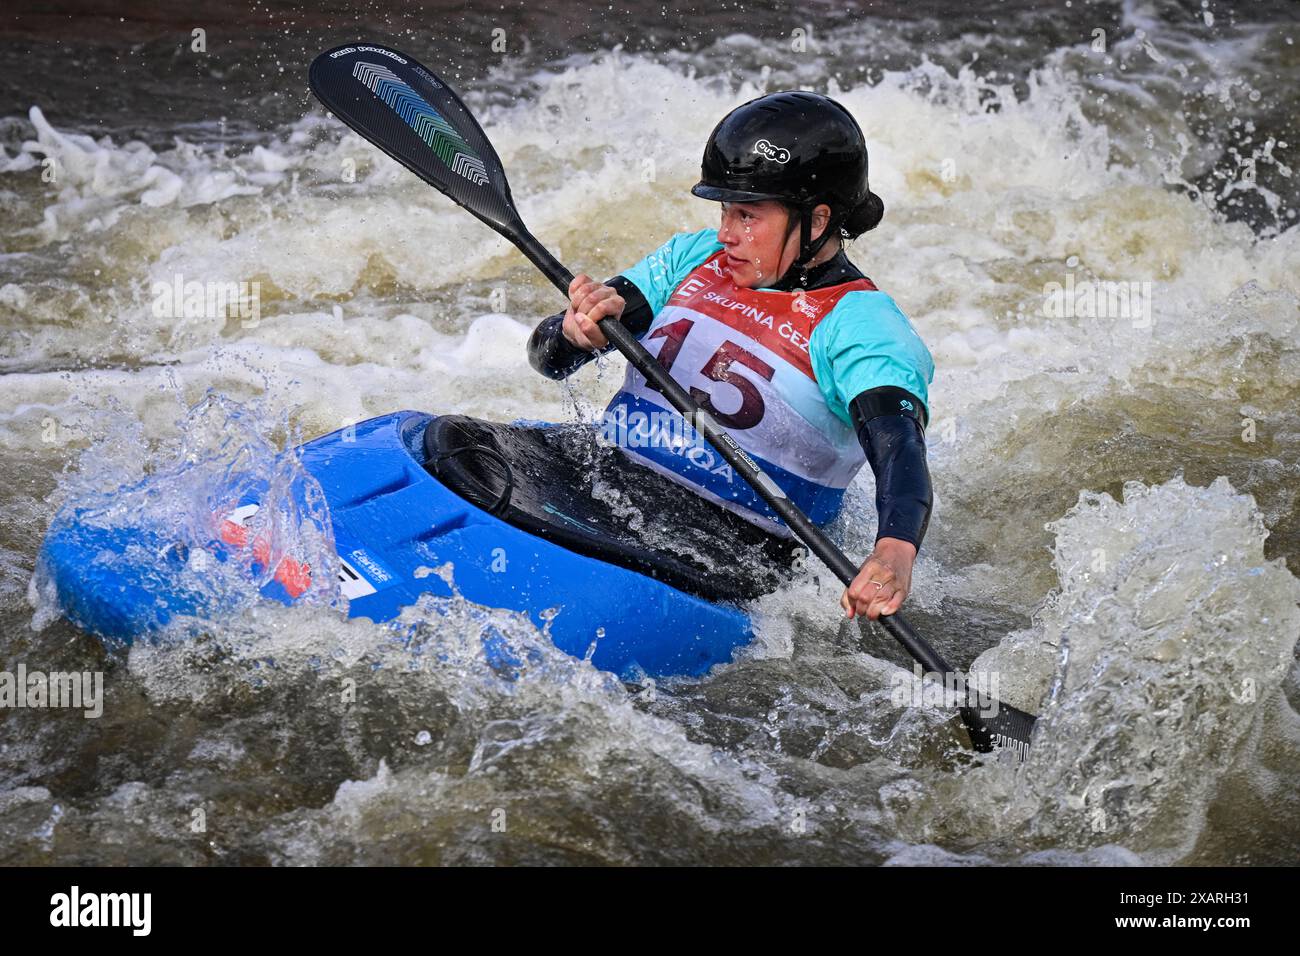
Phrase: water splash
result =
(1168, 638)
(223, 458)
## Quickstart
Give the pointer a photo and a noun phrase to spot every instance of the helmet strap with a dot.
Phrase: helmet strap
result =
(808, 247)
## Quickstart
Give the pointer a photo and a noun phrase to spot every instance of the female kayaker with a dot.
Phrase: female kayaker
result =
(775, 332)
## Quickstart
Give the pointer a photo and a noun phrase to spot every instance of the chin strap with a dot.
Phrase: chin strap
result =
(808, 247)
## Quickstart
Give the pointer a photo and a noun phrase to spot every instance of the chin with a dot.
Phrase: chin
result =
(745, 277)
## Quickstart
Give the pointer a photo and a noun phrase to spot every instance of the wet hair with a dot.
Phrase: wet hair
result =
(864, 217)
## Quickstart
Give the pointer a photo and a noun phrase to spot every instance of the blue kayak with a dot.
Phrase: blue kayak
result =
(655, 577)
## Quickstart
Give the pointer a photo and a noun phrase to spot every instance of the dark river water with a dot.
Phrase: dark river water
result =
(1115, 528)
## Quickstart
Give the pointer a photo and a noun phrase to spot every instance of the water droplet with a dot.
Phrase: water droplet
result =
(1168, 650)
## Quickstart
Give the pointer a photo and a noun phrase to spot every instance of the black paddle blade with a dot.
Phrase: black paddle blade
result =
(1009, 729)
(417, 119)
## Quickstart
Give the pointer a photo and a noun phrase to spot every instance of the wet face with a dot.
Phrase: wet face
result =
(762, 240)
(756, 241)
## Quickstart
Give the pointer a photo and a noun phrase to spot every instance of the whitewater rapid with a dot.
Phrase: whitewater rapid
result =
(1115, 529)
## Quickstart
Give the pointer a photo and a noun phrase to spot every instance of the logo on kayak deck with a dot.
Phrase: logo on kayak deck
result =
(292, 574)
(904, 403)
(296, 576)
(363, 575)
(777, 154)
(351, 584)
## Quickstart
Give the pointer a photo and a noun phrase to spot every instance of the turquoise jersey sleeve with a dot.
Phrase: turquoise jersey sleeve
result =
(866, 342)
(659, 273)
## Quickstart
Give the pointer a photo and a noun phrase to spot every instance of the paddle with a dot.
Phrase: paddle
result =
(414, 117)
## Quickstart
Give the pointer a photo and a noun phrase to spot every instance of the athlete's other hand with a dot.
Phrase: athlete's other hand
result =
(890, 567)
(589, 302)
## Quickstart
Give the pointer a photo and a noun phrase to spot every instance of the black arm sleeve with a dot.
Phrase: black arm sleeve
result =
(556, 357)
(890, 423)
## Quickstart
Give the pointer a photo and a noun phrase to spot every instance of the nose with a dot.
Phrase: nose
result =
(724, 231)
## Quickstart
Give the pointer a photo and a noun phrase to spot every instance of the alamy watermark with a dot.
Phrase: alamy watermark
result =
(1098, 300)
(920, 688)
(78, 690)
(208, 300)
(130, 910)
(650, 430)
(662, 429)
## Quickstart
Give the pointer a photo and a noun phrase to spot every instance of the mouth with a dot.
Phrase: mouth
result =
(735, 263)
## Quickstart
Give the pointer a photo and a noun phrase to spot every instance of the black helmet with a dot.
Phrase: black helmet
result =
(797, 147)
